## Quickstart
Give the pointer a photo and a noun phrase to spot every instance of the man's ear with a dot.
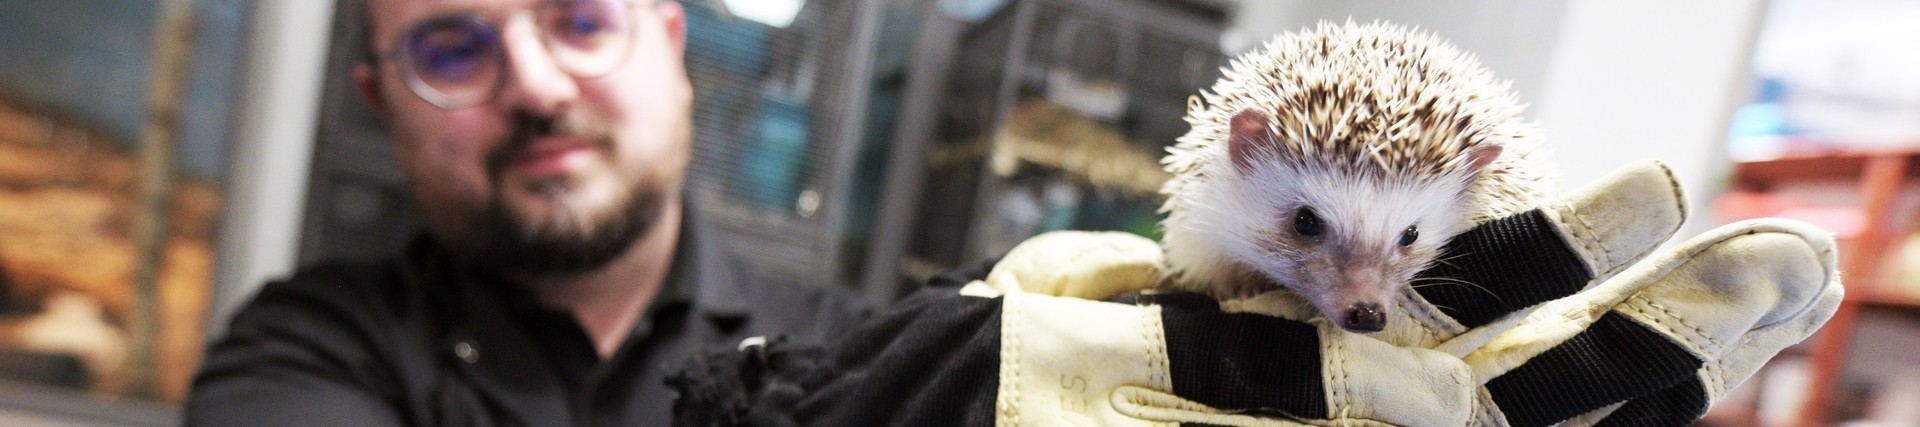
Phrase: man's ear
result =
(369, 87)
(675, 19)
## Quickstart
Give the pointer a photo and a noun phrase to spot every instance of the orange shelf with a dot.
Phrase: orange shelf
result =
(1740, 417)
(1883, 299)
(1763, 173)
(1878, 292)
(1881, 176)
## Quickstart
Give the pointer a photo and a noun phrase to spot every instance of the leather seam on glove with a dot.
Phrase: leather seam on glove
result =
(1680, 213)
(1586, 237)
(1153, 330)
(1427, 315)
(1007, 400)
(1713, 378)
(1679, 194)
(1484, 411)
(1339, 394)
(1639, 302)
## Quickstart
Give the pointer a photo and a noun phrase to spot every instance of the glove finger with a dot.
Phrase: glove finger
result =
(1081, 264)
(1516, 262)
(1690, 399)
(1721, 302)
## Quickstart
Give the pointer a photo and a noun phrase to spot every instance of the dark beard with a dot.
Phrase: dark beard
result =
(507, 243)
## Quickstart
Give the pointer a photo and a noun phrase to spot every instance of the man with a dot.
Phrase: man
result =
(561, 276)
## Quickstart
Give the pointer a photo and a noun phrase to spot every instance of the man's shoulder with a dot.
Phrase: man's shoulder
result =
(335, 296)
(371, 284)
(353, 332)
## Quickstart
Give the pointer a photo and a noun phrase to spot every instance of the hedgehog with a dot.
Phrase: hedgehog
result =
(1335, 162)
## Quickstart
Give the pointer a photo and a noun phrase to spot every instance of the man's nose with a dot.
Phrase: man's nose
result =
(536, 83)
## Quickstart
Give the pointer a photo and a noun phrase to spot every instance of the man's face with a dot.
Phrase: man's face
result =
(555, 173)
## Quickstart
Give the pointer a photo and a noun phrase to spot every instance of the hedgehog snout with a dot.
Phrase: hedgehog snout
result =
(1364, 317)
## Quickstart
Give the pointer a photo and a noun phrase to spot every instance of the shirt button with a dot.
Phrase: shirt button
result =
(467, 351)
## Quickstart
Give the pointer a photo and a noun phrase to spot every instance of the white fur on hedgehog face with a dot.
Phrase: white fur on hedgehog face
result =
(1248, 217)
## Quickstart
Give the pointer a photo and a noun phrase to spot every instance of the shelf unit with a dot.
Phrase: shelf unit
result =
(1882, 177)
(1054, 114)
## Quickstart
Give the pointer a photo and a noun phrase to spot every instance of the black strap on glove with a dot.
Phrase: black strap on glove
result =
(1500, 267)
(1519, 262)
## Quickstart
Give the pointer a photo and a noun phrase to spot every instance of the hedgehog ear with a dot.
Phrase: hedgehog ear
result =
(1480, 156)
(1248, 134)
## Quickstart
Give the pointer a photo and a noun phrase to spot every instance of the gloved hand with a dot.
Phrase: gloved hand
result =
(1555, 317)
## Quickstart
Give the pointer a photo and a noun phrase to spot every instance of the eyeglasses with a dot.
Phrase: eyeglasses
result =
(458, 61)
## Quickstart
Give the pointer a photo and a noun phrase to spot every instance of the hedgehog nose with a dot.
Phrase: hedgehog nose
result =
(1366, 317)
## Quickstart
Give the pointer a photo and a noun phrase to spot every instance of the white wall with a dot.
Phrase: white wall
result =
(272, 150)
(1640, 79)
(1514, 38)
(1612, 81)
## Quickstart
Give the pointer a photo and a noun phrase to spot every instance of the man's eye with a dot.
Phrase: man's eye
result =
(452, 53)
(582, 24)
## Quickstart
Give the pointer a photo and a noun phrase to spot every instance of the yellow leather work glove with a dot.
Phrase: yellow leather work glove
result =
(1566, 321)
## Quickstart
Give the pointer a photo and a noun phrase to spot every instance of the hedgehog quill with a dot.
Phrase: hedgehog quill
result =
(1335, 162)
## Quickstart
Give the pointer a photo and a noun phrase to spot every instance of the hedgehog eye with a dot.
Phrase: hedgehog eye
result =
(1407, 237)
(1306, 223)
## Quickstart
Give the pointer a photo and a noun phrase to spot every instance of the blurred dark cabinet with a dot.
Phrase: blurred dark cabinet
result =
(1054, 116)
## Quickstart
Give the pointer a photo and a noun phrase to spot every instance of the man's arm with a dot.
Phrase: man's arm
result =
(298, 354)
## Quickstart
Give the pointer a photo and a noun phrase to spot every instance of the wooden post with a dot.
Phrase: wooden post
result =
(172, 47)
(1880, 182)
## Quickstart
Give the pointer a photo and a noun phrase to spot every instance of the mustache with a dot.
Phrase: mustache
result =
(528, 127)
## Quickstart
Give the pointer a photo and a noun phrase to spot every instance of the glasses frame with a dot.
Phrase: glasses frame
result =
(400, 54)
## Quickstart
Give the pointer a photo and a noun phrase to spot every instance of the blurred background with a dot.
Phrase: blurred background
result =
(161, 159)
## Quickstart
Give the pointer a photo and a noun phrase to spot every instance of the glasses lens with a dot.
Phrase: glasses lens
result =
(588, 37)
(453, 61)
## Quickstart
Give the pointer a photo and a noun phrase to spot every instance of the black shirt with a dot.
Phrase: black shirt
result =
(426, 341)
